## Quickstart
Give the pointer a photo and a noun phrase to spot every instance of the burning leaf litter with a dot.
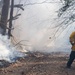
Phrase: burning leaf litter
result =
(7, 51)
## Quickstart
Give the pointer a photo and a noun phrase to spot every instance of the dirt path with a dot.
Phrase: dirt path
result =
(40, 64)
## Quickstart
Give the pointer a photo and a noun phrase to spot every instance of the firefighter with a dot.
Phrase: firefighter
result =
(72, 54)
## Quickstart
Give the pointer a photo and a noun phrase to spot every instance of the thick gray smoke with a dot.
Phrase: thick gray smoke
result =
(7, 51)
(36, 25)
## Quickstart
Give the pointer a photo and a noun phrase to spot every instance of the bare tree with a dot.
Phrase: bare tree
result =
(66, 15)
(67, 11)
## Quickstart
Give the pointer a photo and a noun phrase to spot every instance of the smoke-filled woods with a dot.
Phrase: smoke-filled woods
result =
(43, 23)
(39, 41)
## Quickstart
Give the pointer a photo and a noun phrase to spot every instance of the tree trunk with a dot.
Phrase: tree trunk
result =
(11, 18)
(4, 16)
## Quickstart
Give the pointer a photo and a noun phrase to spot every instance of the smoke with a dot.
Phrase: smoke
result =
(35, 25)
(7, 51)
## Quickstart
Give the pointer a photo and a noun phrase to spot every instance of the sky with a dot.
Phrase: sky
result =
(36, 24)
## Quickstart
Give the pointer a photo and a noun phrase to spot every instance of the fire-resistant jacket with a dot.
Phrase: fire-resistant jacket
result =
(72, 40)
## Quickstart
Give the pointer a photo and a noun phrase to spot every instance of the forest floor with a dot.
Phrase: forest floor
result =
(40, 64)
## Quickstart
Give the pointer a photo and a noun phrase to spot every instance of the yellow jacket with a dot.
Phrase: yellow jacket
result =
(72, 40)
